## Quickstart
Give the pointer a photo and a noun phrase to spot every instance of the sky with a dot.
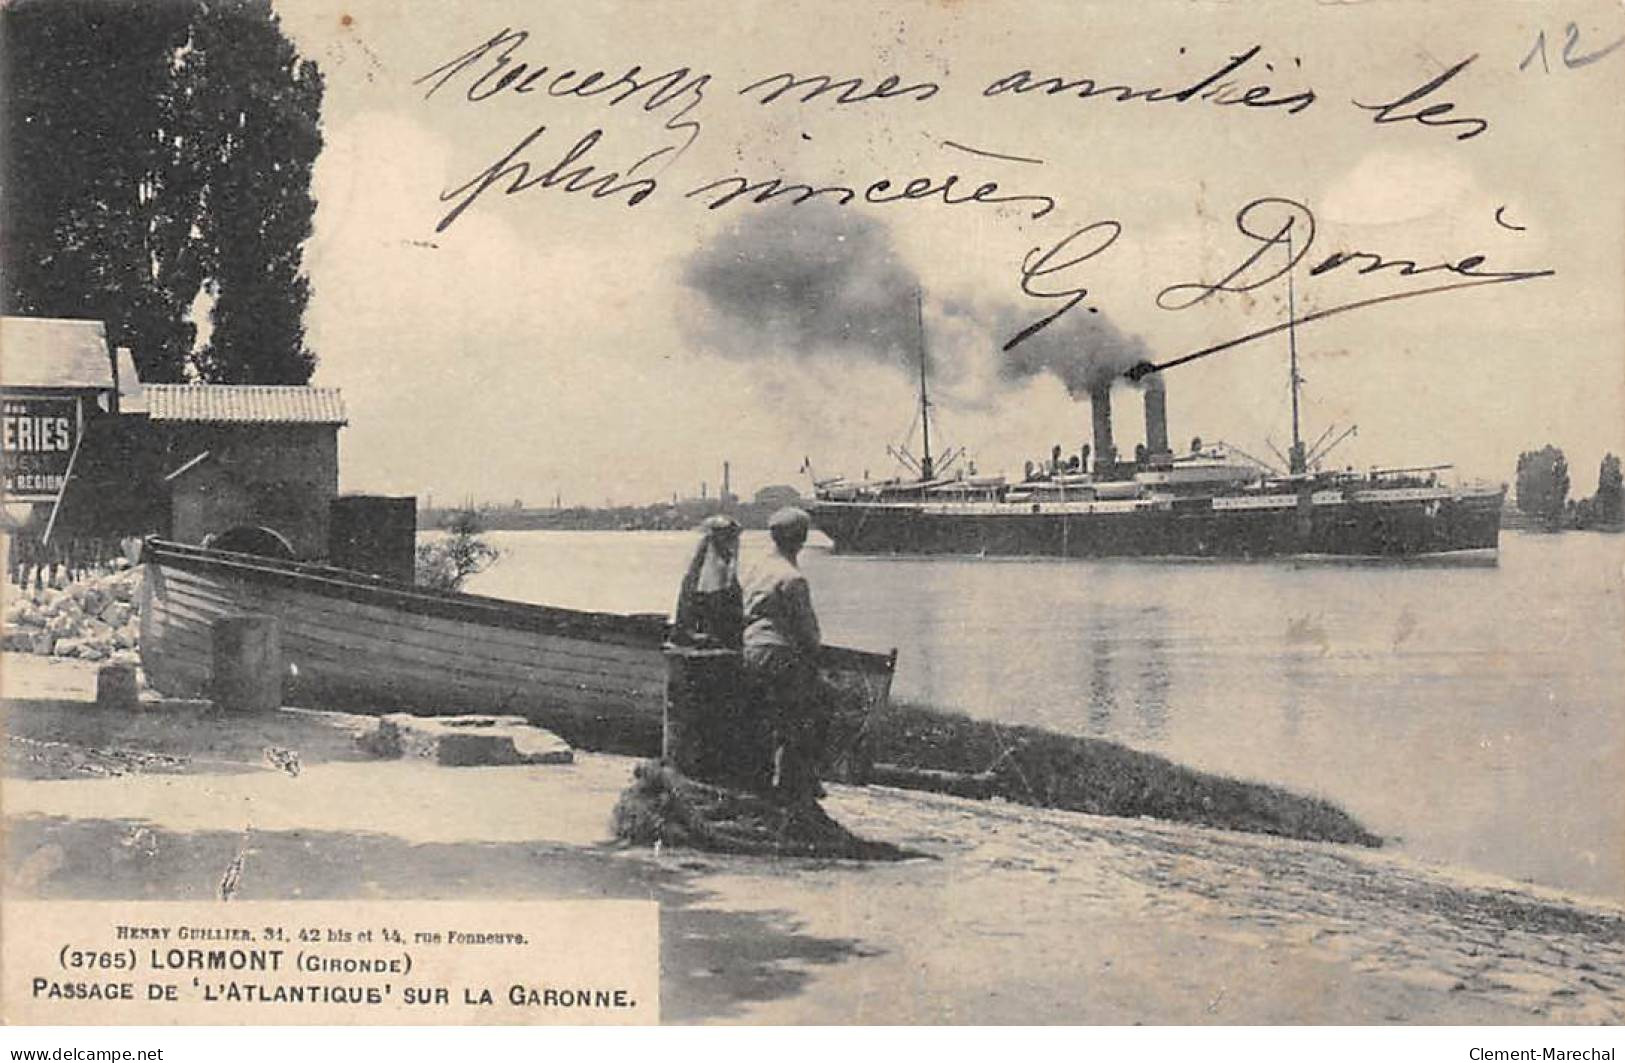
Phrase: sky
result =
(551, 343)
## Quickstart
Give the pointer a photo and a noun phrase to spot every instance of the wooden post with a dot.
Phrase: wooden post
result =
(245, 664)
(115, 687)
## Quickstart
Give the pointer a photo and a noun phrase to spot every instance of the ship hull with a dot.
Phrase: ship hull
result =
(1400, 527)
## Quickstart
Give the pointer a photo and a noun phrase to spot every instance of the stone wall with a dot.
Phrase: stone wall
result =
(282, 477)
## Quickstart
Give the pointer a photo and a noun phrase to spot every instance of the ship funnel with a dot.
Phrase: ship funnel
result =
(1100, 403)
(1156, 417)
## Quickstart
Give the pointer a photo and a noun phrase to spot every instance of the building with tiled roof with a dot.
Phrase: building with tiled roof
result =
(186, 461)
(255, 455)
(245, 404)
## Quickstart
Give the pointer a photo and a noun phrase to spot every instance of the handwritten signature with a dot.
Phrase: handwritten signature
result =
(1281, 237)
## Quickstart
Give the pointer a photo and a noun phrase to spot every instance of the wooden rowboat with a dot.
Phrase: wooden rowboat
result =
(357, 642)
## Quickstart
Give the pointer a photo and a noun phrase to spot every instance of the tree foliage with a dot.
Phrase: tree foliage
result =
(1609, 504)
(157, 149)
(444, 564)
(1543, 483)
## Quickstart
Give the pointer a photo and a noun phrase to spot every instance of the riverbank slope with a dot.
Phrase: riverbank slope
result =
(1015, 914)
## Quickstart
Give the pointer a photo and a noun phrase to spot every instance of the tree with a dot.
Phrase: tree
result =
(156, 150)
(1543, 484)
(98, 209)
(444, 564)
(261, 104)
(1608, 505)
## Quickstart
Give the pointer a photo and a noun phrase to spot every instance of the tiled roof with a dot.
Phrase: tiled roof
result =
(245, 404)
(47, 352)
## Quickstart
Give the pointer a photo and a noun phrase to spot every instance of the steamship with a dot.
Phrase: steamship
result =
(1212, 501)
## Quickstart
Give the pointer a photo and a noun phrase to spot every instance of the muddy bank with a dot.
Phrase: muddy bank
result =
(1049, 770)
(54, 731)
(1021, 915)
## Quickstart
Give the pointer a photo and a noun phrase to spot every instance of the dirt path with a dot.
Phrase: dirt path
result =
(1016, 914)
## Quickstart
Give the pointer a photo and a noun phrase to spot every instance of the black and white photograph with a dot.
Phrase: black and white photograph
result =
(928, 513)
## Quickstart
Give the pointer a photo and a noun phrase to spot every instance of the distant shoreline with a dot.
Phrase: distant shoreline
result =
(680, 516)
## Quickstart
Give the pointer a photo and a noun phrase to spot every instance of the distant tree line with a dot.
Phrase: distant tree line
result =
(656, 516)
(1543, 492)
(156, 151)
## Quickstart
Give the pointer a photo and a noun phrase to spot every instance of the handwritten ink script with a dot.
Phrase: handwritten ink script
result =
(1573, 55)
(623, 164)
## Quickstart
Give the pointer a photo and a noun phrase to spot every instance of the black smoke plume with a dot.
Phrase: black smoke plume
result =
(820, 281)
(1081, 347)
(812, 281)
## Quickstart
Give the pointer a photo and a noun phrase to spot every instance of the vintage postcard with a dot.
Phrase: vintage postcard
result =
(911, 513)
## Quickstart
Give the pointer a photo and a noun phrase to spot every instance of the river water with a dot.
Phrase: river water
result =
(1473, 714)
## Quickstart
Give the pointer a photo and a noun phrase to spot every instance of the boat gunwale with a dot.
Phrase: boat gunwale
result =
(647, 628)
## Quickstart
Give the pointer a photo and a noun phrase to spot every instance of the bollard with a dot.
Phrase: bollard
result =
(245, 672)
(705, 734)
(115, 687)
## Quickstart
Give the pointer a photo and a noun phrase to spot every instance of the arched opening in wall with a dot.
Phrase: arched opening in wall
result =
(249, 539)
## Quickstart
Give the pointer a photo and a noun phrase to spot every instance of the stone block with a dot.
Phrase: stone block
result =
(64, 624)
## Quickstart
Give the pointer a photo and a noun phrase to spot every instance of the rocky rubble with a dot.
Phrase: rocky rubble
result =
(93, 619)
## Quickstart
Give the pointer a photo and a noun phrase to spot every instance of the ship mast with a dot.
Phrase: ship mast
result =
(1297, 463)
(925, 403)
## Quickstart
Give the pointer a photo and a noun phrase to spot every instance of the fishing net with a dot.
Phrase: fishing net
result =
(663, 807)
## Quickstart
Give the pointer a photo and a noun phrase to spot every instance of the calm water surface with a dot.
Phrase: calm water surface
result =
(1474, 714)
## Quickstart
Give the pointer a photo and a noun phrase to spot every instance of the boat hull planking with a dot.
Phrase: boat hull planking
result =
(354, 642)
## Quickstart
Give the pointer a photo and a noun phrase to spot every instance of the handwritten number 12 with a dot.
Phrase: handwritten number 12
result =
(1571, 60)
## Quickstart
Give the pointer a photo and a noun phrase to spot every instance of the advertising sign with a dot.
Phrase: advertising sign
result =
(40, 434)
